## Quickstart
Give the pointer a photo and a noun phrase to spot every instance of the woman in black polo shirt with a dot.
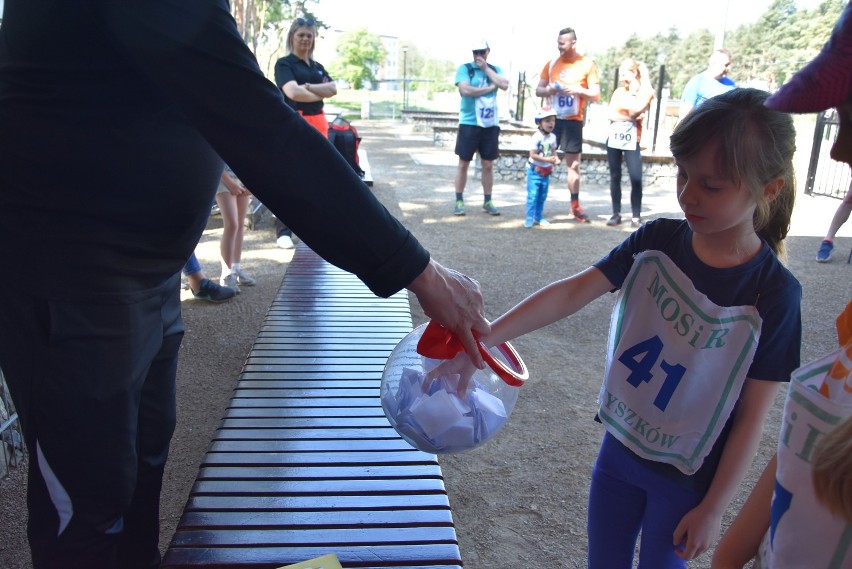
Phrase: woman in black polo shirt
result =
(304, 81)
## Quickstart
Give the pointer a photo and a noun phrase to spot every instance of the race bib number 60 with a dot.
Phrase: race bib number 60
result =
(565, 105)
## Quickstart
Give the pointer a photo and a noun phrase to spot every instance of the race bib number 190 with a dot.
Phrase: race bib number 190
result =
(622, 135)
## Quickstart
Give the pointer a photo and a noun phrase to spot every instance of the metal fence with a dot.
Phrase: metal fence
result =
(11, 440)
(826, 177)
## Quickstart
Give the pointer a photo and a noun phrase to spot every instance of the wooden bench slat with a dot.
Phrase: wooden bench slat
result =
(307, 393)
(289, 472)
(258, 364)
(325, 416)
(336, 487)
(250, 504)
(317, 353)
(389, 444)
(359, 408)
(322, 382)
(283, 341)
(267, 333)
(331, 537)
(379, 430)
(254, 406)
(283, 427)
(312, 520)
(282, 373)
(436, 556)
(267, 458)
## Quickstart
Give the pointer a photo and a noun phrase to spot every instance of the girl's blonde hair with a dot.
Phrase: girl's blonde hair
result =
(756, 144)
(302, 23)
(832, 470)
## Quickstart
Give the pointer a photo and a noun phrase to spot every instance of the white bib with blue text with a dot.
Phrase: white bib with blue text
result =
(486, 111)
(676, 363)
(803, 532)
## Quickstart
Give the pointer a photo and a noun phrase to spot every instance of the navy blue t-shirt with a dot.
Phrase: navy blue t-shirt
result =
(763, 282)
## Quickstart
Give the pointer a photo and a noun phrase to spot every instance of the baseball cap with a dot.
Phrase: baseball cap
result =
(478, 45)
(826, 81)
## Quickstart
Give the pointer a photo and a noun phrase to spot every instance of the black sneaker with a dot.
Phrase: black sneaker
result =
(212, 292)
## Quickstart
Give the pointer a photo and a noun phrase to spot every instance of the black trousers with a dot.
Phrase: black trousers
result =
(94, 387)
(633, 159)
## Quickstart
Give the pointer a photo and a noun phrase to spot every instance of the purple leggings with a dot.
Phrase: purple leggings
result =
(627, 497)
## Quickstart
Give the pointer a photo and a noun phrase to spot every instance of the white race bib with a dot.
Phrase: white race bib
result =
(565, 105)
(803, 532)
(623, 135)
(676, 363)
(486, 111)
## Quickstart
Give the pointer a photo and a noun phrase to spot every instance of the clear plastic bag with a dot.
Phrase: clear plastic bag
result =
(448, 405)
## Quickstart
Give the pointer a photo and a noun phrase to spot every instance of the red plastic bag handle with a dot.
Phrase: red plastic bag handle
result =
(440, 343)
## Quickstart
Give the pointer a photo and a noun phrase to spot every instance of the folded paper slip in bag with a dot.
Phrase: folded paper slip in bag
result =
(438, 401)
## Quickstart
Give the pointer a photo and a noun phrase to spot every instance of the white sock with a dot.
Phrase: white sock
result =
(235, 268)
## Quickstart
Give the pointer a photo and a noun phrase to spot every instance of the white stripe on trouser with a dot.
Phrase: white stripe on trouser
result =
(60, 498)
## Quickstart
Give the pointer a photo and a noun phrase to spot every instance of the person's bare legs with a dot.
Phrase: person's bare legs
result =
(233, 210)
(460, 182)
(841, 216)
(573, 176)
(487, 178)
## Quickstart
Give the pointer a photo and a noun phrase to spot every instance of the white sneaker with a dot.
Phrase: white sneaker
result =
(243, 279)
(230, 281)
(285, 242)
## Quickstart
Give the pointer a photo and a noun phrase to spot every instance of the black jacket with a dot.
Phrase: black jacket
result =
(115, 117)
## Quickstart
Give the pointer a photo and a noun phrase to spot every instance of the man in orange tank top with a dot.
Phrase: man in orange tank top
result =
(570, 82)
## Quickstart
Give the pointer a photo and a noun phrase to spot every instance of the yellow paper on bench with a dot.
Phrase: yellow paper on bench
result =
(329, 561)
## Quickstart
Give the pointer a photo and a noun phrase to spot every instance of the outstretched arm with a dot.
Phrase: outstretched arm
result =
(553, 302)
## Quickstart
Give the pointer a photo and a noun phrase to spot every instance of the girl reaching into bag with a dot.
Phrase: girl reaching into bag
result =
(705, 326)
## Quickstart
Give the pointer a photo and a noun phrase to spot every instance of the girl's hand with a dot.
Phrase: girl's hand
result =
(696, 532)
(459, 365)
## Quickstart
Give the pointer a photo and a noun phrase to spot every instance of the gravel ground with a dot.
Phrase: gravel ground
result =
(520, 500)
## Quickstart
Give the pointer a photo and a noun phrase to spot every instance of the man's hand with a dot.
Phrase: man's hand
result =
(454, 301)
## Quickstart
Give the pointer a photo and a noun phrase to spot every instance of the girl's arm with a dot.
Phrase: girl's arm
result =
(551, 303)
(742, 540)
(700, 527)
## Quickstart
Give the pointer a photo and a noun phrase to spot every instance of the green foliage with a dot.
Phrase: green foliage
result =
(765, 54)
(359, 55)
(425, 74)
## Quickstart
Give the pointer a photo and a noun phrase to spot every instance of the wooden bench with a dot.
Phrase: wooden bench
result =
(364, 162)
(305, 463)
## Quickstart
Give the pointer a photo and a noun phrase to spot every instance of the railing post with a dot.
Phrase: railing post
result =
(660, 83)
(819, 128)
(519, 106)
